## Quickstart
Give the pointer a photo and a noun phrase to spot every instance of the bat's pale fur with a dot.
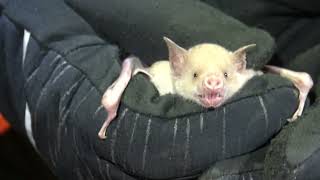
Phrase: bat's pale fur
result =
(162, 78)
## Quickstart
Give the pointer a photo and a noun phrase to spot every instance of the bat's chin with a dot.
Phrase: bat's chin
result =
(211, 99)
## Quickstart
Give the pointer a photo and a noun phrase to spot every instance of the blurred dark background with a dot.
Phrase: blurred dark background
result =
(19, 160)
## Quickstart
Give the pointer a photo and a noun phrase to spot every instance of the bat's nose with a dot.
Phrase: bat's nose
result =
(213, 83)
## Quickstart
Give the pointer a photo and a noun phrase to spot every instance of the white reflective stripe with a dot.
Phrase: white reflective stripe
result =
(27, 116)
(26, 38)
(28, 126)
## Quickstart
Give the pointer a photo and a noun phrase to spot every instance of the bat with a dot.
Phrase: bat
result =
(207, 74)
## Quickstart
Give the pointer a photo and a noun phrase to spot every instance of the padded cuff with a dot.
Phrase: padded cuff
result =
(294, 153)
(248, 166)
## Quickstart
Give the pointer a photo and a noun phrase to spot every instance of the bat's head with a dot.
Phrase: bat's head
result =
(208, 74)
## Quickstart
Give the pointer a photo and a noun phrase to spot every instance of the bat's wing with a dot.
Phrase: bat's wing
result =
(302, 81)
(137, 67)
(112, 96)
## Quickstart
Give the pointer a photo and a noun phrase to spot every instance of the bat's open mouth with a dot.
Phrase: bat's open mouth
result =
(211, 99)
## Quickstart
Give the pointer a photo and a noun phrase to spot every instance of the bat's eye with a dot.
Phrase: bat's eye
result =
(195, 75)
(225, 75)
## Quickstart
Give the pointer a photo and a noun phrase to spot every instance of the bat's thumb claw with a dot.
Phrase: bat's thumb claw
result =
(292, 119)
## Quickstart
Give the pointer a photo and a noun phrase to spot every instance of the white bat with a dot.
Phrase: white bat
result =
(207, 74)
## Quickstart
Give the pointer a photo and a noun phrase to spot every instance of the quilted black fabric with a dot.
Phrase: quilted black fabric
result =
(296, 149)
(68, 67)
(248, 166)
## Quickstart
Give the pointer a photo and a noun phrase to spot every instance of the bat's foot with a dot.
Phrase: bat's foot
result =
(301, 80)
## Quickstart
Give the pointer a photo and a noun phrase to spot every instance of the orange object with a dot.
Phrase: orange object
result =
(4, 125)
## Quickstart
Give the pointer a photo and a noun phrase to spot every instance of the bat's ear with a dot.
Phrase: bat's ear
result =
(177, 56)
(240, 56)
